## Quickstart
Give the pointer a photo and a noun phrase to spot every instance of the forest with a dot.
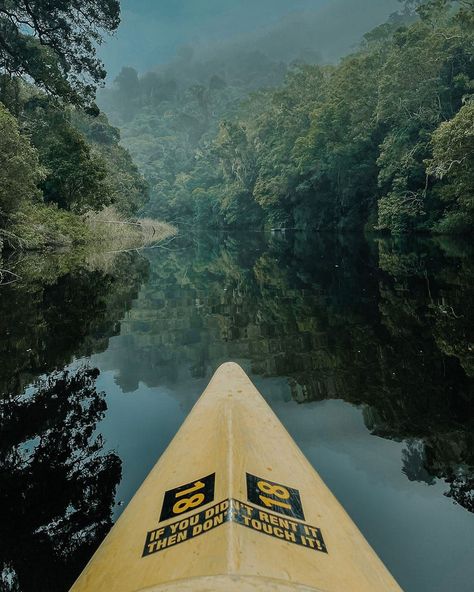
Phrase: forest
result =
(381, 140)
(59, 156)
(272, 136)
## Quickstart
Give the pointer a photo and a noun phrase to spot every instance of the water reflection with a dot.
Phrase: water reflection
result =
(384, 324)
(345, 336)
(63, 305)
(57, 483)
(57, 486)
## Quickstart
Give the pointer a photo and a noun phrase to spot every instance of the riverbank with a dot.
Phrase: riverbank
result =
(45, 242)
(40, 227)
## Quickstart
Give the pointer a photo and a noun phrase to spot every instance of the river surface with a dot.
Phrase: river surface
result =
(363, 348)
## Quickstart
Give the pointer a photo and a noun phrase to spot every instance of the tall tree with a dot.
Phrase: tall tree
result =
(20, 170)
(54, 42)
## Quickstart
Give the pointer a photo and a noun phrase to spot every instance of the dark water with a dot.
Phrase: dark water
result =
(364, 349)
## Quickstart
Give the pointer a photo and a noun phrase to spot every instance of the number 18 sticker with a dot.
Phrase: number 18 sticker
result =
(183, 499)
(274, 496)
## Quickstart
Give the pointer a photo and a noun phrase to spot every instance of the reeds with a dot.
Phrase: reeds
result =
(115, 232)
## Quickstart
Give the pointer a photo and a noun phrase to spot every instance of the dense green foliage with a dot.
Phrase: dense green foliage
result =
(54, 43)
(20, 171)
(383, 140)
(58, 156)
(125, 187)
(453, 162)
(167, 118)
(76, 173)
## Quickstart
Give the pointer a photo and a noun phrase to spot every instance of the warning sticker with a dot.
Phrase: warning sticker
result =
(278, 527)
(187, 528)
(236, 511)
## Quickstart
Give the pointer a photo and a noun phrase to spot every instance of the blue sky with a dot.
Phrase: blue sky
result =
(152, 30)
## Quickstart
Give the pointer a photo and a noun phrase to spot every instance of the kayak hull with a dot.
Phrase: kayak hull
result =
(230, 584)
(233, 504)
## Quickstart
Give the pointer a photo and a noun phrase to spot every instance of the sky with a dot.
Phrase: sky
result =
(152, 30)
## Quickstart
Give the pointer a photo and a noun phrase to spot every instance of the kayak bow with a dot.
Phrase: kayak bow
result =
(233, 505)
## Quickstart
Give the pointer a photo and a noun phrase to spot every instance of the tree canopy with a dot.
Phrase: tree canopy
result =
(364, 143)
(54, 43)
(20, 170)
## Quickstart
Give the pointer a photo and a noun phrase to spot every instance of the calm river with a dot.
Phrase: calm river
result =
(363, 348)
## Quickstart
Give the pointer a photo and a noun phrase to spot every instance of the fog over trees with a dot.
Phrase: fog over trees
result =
(340, 118)
(217, 28)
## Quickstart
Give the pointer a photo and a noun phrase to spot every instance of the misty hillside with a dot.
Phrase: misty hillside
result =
(322, 35)
(271, 130)
(260, 59)
(170, 114)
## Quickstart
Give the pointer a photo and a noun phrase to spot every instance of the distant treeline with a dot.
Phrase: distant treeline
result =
(384, 140)
(59, 157)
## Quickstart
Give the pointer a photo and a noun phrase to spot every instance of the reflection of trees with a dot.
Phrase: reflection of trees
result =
(57, 485)
(61, 308)
(414, 464)
(340, 317)
(426, 304)
(235, 298)
(461, 489)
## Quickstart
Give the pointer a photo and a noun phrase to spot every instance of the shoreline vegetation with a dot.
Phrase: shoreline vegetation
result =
(93, 241)
(46, 228)
(65, 180)
(67, 185)
(381, 139)
(115, 231)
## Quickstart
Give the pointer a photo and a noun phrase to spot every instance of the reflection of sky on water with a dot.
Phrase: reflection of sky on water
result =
(413, 527)
(424, 538)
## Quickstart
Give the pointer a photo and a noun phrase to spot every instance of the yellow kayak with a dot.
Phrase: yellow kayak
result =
(233, 505)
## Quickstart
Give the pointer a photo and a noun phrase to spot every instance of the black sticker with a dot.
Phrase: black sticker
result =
(232, 510)
(278, 527)
(274, 496)
(186, 528)
(189, 497)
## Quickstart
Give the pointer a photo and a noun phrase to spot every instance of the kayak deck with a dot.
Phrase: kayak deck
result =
(233, 504)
